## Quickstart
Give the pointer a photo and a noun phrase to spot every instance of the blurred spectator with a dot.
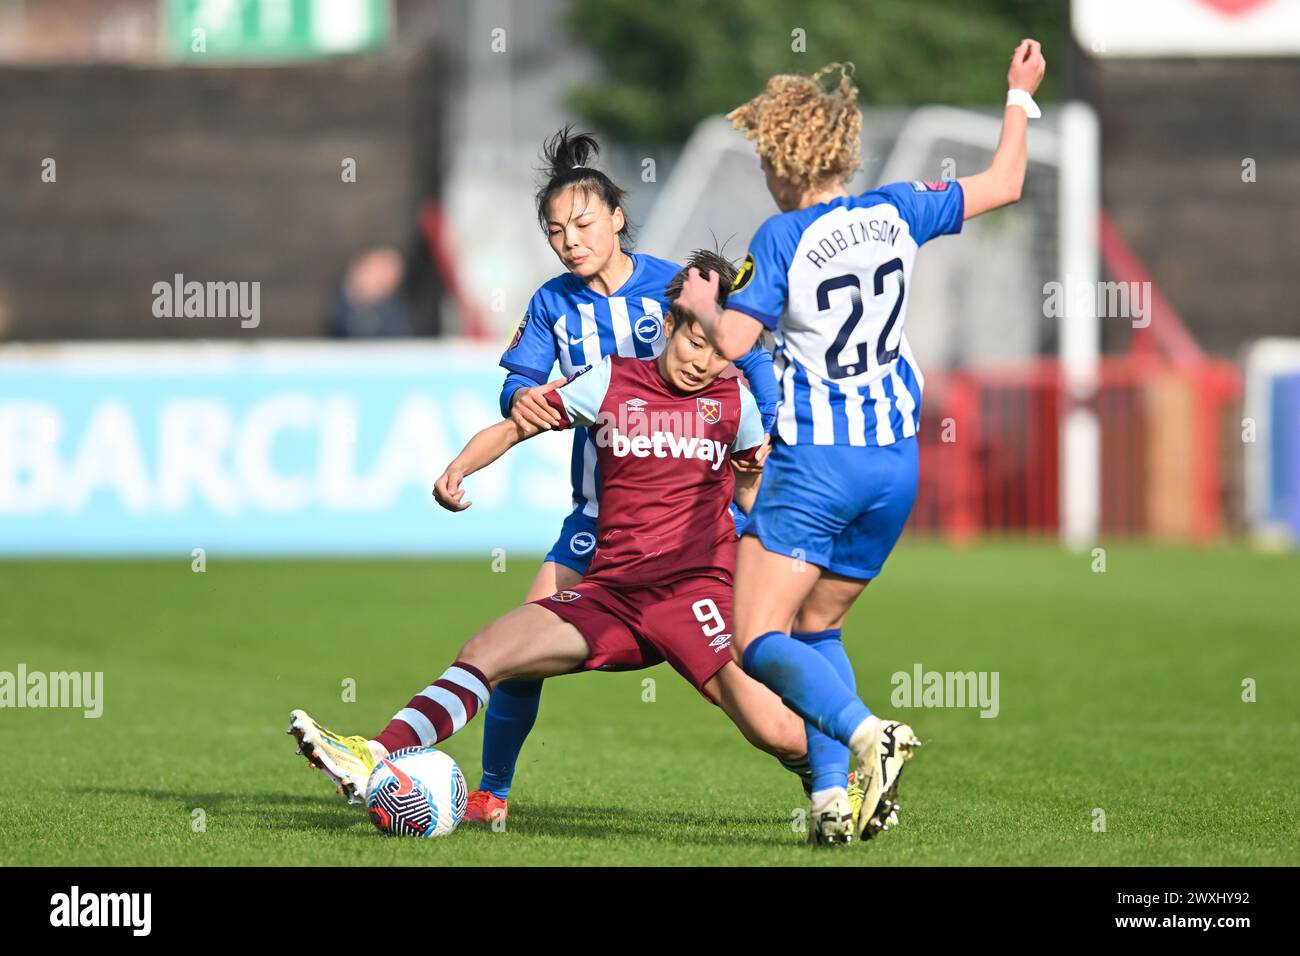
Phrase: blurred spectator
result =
(370, 302)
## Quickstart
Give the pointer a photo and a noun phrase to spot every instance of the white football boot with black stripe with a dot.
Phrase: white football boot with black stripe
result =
(882, 747)
(833, 824)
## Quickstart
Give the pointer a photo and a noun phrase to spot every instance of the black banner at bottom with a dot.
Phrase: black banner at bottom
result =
(452, 904)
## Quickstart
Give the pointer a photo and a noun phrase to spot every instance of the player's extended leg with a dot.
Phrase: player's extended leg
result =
(770, 588)
(819, 625)
(530, 641)
(511, 714)
(758, 714)
(828, 604)
(762, 719)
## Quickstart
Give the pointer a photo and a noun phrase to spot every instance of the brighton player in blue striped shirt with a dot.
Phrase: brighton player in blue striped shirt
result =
(830, 276)
(608, 301)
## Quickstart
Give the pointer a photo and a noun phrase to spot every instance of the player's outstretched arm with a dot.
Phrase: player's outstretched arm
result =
(528, 406)
(481, 450)
(1000, 184)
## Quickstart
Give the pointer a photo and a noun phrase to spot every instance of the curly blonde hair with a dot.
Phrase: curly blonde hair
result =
(808, 134)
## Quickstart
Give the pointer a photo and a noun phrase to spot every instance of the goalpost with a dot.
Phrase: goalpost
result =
(1080, 328)
(1063, 197)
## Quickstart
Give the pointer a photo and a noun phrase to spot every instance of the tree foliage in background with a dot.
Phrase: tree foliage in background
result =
(667, 64)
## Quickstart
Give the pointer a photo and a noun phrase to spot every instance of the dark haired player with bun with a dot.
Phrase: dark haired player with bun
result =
(658, 587)
(607, 302)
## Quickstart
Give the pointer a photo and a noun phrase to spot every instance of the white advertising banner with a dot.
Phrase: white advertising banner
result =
(1138, 28)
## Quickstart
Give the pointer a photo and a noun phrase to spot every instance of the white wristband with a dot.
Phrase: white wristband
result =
(1026, 102)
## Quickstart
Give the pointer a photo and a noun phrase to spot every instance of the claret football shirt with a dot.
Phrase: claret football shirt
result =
(664, 457)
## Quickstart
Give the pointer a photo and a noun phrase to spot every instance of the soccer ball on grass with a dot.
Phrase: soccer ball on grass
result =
(416, 791)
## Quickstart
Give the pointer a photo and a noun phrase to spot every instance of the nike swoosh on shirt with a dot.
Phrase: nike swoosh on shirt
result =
(583, 338)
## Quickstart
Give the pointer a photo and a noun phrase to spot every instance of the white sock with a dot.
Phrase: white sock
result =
(821, 799)
(378, 750)
(861, 738)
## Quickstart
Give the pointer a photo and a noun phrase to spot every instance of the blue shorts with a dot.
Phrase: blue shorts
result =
(577, 541)
(840, 507)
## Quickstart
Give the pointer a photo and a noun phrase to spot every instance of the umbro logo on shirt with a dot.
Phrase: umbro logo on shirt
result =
(635, 402)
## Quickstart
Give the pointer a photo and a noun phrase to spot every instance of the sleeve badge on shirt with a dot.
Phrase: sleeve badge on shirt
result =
(710, 410)
(930, 186)
(744, 275)
(519, 332)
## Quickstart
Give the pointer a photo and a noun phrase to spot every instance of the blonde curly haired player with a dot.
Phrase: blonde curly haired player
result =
(805, 134)
(829, 277)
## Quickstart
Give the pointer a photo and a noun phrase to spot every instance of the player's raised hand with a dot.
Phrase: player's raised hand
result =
(529, 408)
(448, 492)
(699, 293)
(1027, 67)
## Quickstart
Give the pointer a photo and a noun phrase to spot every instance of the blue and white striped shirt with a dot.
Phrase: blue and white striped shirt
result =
(831, 282)
(570, 323)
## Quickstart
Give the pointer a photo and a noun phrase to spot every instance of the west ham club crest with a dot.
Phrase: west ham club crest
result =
(710, 410)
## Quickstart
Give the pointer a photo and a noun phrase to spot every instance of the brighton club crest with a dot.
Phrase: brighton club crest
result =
(710, 410)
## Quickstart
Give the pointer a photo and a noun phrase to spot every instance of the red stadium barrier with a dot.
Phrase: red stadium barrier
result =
(433, 226)
(990, 456)
(990, 437)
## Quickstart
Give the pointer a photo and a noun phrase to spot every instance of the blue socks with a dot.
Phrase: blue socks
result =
(511, 713)
(828, 757)
(807, 682)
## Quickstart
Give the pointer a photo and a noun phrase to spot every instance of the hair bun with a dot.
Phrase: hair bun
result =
(567, 150)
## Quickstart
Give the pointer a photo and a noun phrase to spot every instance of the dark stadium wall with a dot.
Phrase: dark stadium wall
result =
(220, 174)
(1174, 136)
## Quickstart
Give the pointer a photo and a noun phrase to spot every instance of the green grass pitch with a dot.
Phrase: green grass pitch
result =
(1119, 691)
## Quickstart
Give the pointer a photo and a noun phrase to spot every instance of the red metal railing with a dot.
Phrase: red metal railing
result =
(990, 449)
(990, 437)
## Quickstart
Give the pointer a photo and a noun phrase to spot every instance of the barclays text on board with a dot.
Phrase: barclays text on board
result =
(268, 448)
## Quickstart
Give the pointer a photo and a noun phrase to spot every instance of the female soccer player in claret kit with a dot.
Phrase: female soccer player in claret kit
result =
(658, 587)
(607, 302)
(829, 275)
